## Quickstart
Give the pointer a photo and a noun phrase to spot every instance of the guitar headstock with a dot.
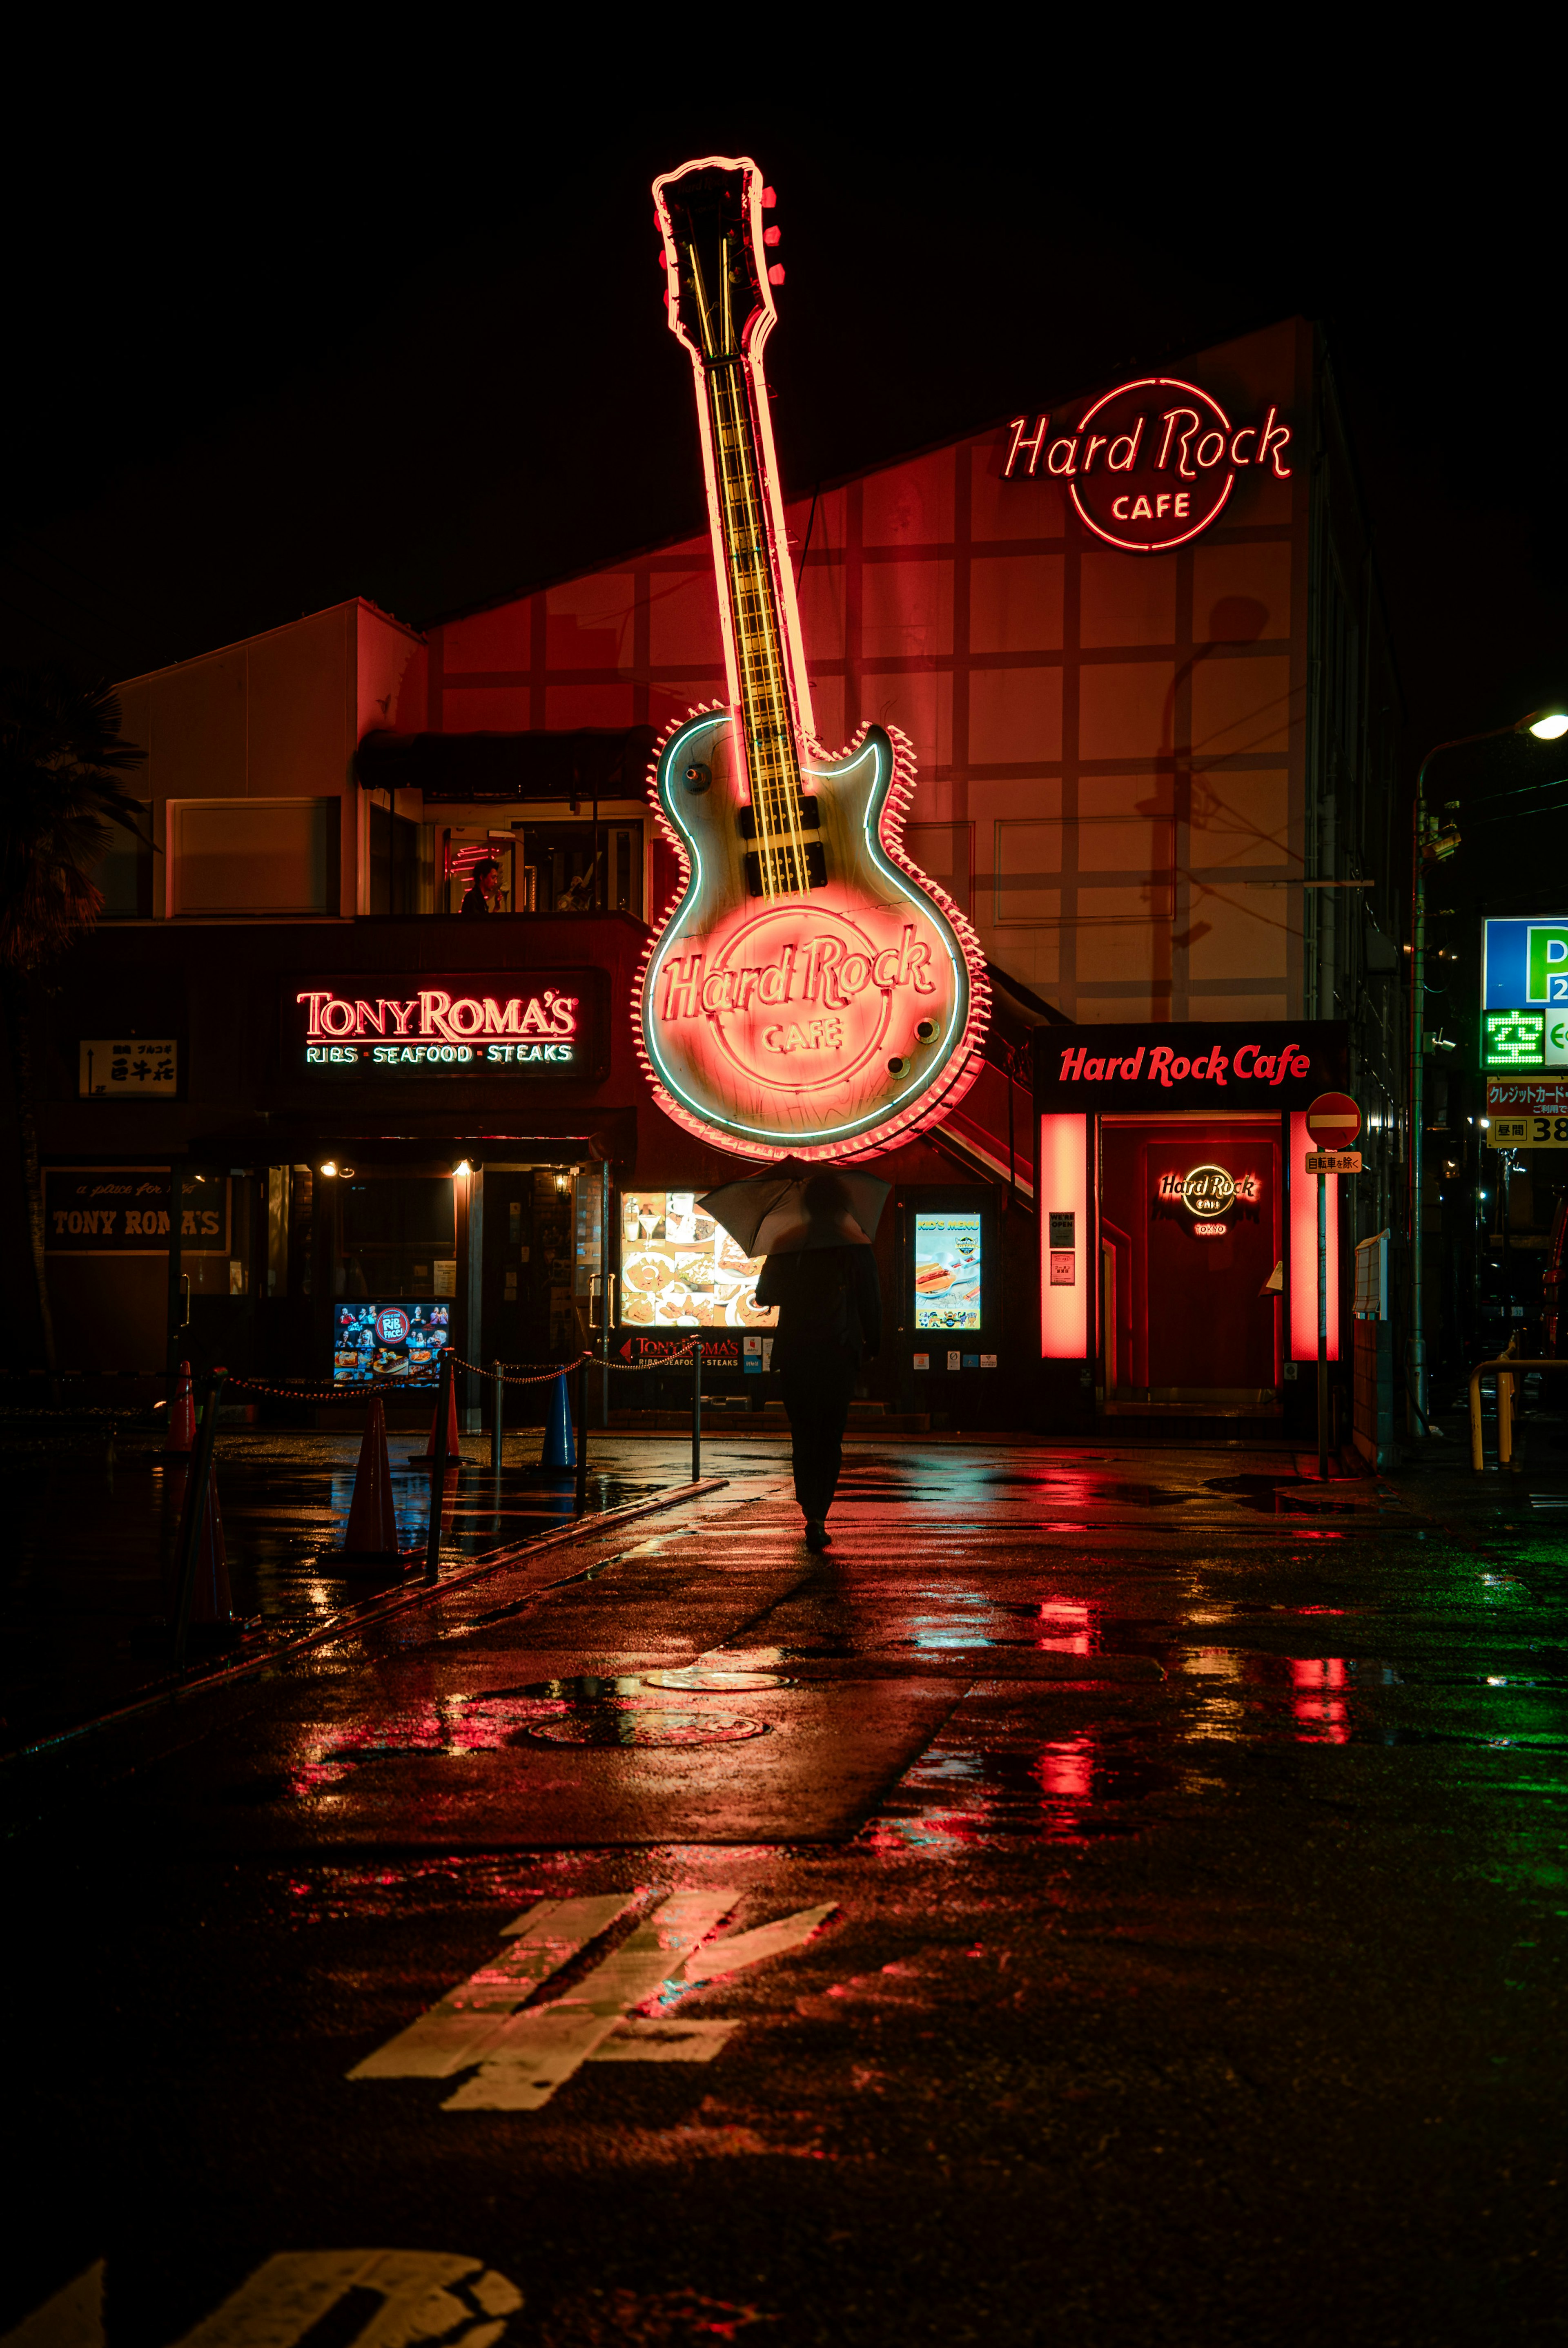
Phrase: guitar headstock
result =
(717, 274)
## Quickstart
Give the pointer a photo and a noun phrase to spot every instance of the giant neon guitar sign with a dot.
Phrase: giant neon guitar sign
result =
(809, 990)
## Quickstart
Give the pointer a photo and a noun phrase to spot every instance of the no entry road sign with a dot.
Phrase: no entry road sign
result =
(1334, 1120)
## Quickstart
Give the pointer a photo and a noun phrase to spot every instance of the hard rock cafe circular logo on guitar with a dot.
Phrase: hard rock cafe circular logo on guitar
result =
(810, 992)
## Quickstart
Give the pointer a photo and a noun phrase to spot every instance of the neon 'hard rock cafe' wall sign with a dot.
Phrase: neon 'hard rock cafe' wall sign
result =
(809, 991)
(1151, 464)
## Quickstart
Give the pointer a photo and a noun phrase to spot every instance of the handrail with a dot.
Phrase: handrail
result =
(1506, 1369)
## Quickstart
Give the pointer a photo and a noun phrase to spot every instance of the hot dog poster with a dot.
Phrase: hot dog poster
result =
(947, 1262)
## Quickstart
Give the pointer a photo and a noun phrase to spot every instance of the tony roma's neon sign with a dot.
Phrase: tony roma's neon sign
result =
(437, 1030)
(1152, 463)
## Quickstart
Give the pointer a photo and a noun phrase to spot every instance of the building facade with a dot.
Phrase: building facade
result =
(1134, 639)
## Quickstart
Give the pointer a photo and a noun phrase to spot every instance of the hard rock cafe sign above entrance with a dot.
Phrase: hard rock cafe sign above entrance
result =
(809, 992)
(1151, 464)
(1208, 1193)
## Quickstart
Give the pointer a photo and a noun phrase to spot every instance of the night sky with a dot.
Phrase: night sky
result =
(434, 380)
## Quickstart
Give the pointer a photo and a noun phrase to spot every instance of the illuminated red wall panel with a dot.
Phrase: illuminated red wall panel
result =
(1063, 1189)
(1304, 1251)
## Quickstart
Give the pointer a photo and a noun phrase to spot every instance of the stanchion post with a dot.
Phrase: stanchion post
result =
(495, 1390)
(696, 1410)
(580, 1502)
(200, 1474)
(438, 1456)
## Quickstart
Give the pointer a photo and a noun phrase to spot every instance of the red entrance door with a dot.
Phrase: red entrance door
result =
(1192, 1213)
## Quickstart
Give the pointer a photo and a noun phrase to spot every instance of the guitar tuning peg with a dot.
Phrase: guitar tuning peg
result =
(776, 274)
(771, 235)
(770, 199)
(663, 258)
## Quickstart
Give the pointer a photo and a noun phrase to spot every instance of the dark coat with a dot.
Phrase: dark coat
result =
(829, 1306)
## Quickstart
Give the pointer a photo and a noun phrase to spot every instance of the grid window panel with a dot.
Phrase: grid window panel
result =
(1028, 869)
(946, 853)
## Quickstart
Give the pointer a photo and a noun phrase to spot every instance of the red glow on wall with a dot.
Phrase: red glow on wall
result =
(1304, 1250)
(1062, 1190)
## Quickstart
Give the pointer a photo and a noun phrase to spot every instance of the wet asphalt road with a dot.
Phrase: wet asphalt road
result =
(1177, 1861)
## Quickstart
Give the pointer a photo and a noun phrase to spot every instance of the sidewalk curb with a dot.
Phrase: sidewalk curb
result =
(375, 1610)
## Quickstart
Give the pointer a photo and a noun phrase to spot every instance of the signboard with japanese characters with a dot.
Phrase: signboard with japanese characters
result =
(139, 1069)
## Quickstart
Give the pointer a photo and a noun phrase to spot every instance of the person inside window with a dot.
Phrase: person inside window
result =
(486, 880)
(830, 1321)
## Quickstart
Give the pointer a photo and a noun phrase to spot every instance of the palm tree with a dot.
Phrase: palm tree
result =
(61, 759)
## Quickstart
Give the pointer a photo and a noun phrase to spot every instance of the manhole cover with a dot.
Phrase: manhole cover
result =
(612, 1729)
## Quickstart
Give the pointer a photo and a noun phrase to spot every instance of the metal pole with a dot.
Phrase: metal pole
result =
(581, 1500)
(191, 1515)
(696, 1410)
(495, 1389)
(1417, 1364)
(174, 1314)
(1323, 1328)
(438, 1459)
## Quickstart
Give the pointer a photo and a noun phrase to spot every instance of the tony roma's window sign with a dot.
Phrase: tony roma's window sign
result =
(1152, 463)
(1525, 993)
(1241, 1070)
(809, 990)
(484, 1024)
(124, 1210)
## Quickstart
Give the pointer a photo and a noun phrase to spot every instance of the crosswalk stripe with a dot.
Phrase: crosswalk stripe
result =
(460, 2030)
(643, 2039)
(721, 1957)
(537, 2052)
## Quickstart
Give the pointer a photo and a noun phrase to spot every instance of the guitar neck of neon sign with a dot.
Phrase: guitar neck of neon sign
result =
(809, 990)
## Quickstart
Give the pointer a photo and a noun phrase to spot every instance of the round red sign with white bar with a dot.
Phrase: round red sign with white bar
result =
(1334, 1121)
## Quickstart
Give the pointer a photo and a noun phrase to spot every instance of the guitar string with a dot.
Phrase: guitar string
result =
(776, 793)
(782, 780)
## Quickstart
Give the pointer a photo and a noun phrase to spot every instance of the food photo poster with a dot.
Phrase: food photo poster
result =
(948, 1261)
(681, 1269)
(372, 1341)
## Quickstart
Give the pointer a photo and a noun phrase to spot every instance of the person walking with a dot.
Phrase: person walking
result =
(823, 1283)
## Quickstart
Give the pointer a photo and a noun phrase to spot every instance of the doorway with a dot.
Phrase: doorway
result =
(1190, 1230)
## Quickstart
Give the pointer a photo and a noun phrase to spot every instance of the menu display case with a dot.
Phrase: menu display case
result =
(681, 1269)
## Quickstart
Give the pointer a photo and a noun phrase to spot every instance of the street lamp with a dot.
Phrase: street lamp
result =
(1433, 842)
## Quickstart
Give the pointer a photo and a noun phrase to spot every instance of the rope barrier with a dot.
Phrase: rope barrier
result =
(537, 1374)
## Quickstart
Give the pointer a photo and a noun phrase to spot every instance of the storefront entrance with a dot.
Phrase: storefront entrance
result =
(1190, 1235)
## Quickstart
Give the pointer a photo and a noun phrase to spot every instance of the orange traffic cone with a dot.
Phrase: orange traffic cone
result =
(181, 1440)
(372, 1537)
(451, 1450)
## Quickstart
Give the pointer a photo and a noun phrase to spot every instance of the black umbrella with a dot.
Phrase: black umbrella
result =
(767, 1214)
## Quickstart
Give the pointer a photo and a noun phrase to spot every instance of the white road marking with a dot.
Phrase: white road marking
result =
(426, 2296)
(750, 1948)
(640, 2039)
(461, 2030)
(522, 2057)
(537, 2052)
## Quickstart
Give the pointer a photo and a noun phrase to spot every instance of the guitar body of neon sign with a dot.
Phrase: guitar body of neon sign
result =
(810, 991)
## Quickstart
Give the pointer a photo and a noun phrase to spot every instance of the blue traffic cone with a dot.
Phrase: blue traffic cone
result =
(559, 1443)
